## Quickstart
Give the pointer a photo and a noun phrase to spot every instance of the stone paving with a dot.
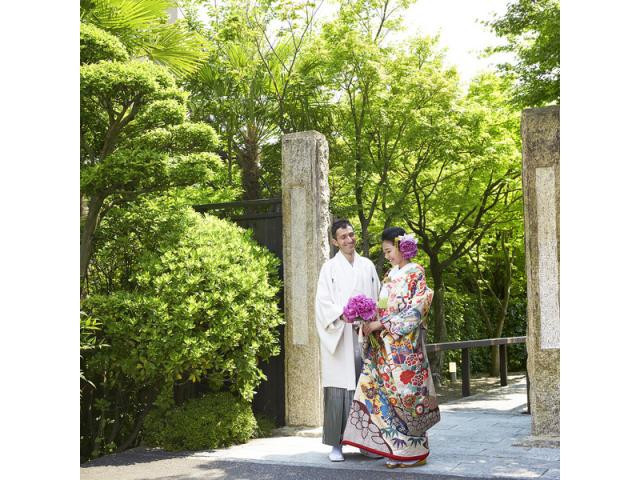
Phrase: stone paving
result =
(476, 438)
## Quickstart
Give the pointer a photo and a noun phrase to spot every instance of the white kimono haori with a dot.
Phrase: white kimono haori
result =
(340, 280)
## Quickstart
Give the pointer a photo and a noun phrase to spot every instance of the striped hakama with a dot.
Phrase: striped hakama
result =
(337, 402)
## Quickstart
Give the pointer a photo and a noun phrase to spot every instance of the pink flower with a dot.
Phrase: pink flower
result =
(350, 313)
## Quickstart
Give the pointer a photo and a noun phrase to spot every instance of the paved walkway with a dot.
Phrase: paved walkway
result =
(477, 438)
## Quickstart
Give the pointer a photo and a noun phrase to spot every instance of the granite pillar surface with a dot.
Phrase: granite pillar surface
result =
(305, 222)
(540, 129)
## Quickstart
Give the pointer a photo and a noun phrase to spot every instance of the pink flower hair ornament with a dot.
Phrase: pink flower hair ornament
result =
(408, 245)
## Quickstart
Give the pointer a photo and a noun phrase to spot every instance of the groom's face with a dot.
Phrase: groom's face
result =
(345, 240)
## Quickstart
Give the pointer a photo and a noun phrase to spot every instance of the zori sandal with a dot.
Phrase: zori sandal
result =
(415, 464)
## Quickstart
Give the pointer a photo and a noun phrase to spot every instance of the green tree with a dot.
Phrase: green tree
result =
(134, 135)
(250, 83)
(380, 90)
(532, 31)
(419, 97)
(462, 186)
(407, 146)
(89, 331)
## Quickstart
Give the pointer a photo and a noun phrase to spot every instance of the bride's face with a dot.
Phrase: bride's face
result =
(391, 253)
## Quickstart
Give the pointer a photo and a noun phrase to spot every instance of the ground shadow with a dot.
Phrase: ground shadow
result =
(137, 456)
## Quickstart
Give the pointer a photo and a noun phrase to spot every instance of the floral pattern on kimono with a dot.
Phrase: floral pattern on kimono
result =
(395, 401)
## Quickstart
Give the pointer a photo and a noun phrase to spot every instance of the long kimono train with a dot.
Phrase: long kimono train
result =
(395, 401)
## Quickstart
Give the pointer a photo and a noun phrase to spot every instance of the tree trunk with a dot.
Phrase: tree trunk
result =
(379, 263)
(358, 190)
(90, 421)
(365, 235)
(440, 327)
(495, 361)
(497, 333)
(249, 160)
(230, 159)
(86, 241)
(138, 425)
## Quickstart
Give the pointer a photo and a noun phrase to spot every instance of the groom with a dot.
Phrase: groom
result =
(345, 275)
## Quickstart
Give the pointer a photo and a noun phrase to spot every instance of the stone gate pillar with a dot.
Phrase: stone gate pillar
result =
(305, 224)
(540, 131)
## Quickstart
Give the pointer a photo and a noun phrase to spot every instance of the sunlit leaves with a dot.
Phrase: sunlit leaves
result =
(124, 15)
(142, 26)
(96, 45)
(532, 31)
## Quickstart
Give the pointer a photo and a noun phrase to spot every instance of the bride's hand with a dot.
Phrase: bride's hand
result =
(370, 327)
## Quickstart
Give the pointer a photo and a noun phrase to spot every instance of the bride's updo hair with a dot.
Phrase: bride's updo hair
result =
(392, 232)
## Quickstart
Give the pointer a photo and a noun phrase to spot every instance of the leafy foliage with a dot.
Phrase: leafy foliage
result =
(532, 31)
(112, 95)
(256, 84)
(266, 426)
(89, 331)
(96, 45)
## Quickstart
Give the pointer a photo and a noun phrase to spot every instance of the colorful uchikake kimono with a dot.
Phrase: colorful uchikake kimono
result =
(395, 400)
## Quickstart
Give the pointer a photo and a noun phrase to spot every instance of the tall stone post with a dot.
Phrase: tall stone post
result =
(540, 131)
(305, 224)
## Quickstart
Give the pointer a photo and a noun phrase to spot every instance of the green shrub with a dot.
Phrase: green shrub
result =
(213, 421)
(181, 298)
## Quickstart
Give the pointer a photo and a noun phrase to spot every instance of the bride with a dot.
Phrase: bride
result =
(395, 401)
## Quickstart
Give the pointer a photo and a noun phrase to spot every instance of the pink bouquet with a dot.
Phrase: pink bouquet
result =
(360, 309)
(359, 306)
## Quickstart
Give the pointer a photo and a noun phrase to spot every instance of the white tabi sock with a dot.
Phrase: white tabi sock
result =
(336, 454)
